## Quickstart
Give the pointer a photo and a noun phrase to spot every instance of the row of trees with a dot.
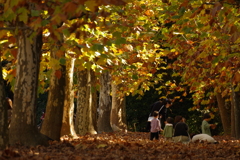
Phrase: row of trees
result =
(75, 48)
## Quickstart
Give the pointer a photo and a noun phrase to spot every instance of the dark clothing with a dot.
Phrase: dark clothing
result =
(156, 107)
(154, 135)
(163, 112)
(180, 129)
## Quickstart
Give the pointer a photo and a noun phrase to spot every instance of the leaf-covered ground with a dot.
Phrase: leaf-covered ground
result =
(126, 146)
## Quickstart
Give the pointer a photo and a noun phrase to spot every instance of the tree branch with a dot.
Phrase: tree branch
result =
(13, 28)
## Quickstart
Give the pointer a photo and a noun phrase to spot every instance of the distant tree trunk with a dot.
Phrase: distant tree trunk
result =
(23, 127)
(236, 104)
(86, 107)
(81, 100)
(68, 113)
(233, 132)
(124, 114)
(225, 114)
(3, 113)
(105, 103)
(118, 105)
(54, 109)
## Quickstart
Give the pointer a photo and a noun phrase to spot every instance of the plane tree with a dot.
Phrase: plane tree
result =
(204, 42)
(26, 22)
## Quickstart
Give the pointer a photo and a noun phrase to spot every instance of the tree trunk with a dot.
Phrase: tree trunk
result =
(105, 103)
(54, 109)
(124, 114)
(68, 112)
(81, 100)
(118, 105)
(3, 113)
(93, 101)
(86, 104)
(233, 132)
(225, 114)
(90, 109)
(236, 104)
(23, 127)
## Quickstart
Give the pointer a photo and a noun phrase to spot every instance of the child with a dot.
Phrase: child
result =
(205, 125)
(155, 126)
(168, 129)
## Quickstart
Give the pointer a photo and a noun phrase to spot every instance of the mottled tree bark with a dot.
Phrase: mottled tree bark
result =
(3, 113)
(54, 109)
(117, 113)
(105, 104)
(23, 127)
(86, 112)
(68, 111)
(81, 100)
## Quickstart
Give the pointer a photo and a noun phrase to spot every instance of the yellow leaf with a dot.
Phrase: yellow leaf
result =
(4, 73)
(2, 34)
(101, 61)
(91, 5)
(101, 145)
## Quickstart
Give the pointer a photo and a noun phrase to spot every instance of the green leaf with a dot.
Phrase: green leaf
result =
(120, 41)
(176, 17)
(35, 13)
(13, 3)
(135, 76)
(116, 34)
(97, 47)
(66, 32)
(23, 14)
(182, 10)
(88, 65)
(104, 56)
(165, 30)
(62, 61)
(44, 22)
(133, 67)
(186, 30)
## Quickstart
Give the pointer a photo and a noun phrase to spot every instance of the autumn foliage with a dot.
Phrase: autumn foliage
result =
(131, 145)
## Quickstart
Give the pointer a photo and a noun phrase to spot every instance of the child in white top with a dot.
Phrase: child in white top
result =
(155, 126)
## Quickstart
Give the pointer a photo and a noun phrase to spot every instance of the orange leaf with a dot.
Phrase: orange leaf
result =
(153, 70)
(185, 94)
(149, 13)
(1, 24)
(12, 39)
(14, 53)
(237, 77)
(58, 74)
(59, 53)
(190, 42)
(70, 7)
(13, 72)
